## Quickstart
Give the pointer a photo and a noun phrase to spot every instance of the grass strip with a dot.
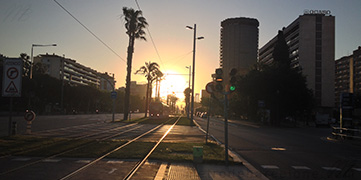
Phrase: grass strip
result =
(184, 121)
(95, 149)
(16, 144)
(171, 152)
(167, 152)
(52, 149)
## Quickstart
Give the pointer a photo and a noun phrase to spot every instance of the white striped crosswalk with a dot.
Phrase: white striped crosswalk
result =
(326, 168)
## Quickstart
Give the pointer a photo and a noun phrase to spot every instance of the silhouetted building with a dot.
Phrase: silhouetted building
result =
(348, 75)
(205, 94)
(107, 82)
(72, 72)
(138, 89)
(239, 44)
(311, 42)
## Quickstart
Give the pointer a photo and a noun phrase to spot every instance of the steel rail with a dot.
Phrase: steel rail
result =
(64, 152)
(139, 164)
(69, 139)
(110, 152)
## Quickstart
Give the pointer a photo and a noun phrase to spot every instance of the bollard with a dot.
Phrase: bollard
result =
(28, 127)
(197, 154)
(14, 128)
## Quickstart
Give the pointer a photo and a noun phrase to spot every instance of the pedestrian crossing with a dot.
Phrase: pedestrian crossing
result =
(326, 168)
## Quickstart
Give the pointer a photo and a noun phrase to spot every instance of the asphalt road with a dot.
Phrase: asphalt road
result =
(42, 123)
(291, 153)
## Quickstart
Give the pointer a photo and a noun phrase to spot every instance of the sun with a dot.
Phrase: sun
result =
(173, 83)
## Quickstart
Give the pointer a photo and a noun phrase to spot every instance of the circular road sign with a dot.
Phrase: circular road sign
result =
(209, 87)
(113, 94)
(12, 73)
(29, 115)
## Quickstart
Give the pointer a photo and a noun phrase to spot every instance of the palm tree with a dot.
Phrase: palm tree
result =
(152, 72)
(135, 23)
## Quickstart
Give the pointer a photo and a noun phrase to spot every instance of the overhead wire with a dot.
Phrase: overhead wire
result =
(100, 40)
(151, 38)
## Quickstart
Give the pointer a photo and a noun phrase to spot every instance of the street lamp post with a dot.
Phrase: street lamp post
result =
(32, 59)
(194, 28)
(189, 87)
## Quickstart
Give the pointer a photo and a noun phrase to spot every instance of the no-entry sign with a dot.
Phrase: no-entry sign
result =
(12, 77)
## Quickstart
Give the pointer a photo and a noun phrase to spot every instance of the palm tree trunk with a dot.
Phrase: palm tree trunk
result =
(146, 100)
(129, 72)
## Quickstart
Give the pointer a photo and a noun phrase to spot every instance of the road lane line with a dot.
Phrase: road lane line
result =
(21, 159)
(269, 167)
(301, 168)
(83, 161)
(51, 160)
(331, 168)
(113, 170)
(357, 169)
(115, 162)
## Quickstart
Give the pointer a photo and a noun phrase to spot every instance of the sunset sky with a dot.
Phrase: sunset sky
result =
(24, 22)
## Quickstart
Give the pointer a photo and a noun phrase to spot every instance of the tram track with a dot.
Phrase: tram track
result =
(78, 137)
(64, 152)
(90, 143)
(138, 164)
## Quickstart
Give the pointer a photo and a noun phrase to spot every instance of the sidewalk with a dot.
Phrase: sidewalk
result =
(192, 171)
(188, 171)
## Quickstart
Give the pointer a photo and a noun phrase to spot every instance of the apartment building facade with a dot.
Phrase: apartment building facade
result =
(348, 75)
(311, 42)
(73, 72)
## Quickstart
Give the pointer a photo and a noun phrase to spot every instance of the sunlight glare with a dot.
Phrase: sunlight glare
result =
(173, 83)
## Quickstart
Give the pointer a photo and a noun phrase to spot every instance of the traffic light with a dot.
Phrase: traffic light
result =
(219, 79)
(232, 80)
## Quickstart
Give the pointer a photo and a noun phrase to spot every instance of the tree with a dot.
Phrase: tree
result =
(281, 53)
(152, 72)
(171, 101)
(187, 93)
(282, 88)
(26, 64)
(135, 24)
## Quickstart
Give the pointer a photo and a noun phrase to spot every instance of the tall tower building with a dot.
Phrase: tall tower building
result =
(311, 42)
(239, 44)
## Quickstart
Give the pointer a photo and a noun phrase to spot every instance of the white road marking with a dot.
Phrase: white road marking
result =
(357, 169)
(301, 168)
(51, 160)
(115, 162)
(83, 161)
(278, 149)
(331, 168)
(161, 172)
(21, 159)
(269, 167)
(113, 170)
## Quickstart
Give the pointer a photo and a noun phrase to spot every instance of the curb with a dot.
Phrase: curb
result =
(236, 156)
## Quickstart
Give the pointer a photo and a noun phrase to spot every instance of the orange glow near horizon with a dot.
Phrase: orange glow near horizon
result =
(173, 83)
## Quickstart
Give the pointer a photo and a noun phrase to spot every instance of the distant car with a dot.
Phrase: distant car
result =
(323, 120)
(204, 115)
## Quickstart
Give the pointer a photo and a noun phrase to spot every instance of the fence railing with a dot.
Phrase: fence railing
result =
(346, 133)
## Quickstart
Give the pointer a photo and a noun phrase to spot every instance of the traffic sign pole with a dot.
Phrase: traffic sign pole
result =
(11, 87)
(113, 95)
(10, 114)
(226, 126)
